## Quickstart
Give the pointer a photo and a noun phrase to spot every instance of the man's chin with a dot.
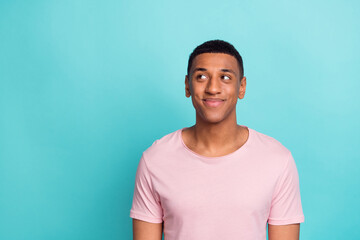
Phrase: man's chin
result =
(212, 119)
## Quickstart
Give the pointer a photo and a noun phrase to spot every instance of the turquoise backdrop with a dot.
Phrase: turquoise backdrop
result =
(87, 86)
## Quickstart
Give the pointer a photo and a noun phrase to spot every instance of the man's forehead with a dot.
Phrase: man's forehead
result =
(215, 60)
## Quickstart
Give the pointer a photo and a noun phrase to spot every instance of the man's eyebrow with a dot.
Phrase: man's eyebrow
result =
(228, 70)
(223, 70)
(199, 69)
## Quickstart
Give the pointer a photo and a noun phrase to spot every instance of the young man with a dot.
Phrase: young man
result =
(216, 180)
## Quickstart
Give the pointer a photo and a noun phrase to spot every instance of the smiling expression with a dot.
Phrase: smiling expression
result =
(214, 86)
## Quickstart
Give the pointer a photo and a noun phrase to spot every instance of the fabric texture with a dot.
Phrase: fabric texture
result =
(228, 197)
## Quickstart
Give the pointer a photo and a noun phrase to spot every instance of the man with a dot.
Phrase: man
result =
(216, 180)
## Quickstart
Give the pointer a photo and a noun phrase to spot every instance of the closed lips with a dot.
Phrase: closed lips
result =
(213, 99)
(213, 102)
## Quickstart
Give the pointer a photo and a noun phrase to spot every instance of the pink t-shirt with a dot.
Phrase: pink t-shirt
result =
(212, 198)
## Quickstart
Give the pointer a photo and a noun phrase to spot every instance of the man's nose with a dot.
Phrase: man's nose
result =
(213, 86)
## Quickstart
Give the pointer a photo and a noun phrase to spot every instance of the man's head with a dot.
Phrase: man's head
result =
(215, 81)
(216, 46)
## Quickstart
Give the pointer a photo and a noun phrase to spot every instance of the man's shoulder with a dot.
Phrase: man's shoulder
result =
(165, 144)
(268, 143)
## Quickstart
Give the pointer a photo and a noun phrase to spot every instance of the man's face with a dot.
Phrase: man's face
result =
(214, 86)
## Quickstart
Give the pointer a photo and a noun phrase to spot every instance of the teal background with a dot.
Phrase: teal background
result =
(87, 86)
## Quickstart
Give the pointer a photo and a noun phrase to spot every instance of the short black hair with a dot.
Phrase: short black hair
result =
(216, 46)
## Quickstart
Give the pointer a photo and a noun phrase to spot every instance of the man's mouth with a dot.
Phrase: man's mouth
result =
(213, 102)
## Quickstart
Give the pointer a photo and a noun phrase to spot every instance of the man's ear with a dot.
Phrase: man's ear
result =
(242, 88)
(187, 86)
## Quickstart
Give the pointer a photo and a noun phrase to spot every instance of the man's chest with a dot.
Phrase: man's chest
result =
(216, 192)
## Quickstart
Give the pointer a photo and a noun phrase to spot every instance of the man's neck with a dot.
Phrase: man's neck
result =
(217, 136)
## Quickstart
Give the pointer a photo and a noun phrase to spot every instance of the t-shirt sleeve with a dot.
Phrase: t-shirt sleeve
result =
(286, 205)
(146, 204)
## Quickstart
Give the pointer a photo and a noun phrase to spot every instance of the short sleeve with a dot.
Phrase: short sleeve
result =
(145, 205)
(286, 205)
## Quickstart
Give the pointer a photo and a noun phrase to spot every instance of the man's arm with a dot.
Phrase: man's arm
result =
(284, 232)
(146, 231)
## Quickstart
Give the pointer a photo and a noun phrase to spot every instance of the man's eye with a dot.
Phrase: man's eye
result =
(201, 76)
(226, 77)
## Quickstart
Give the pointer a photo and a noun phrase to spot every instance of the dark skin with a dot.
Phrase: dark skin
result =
(216, 132)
